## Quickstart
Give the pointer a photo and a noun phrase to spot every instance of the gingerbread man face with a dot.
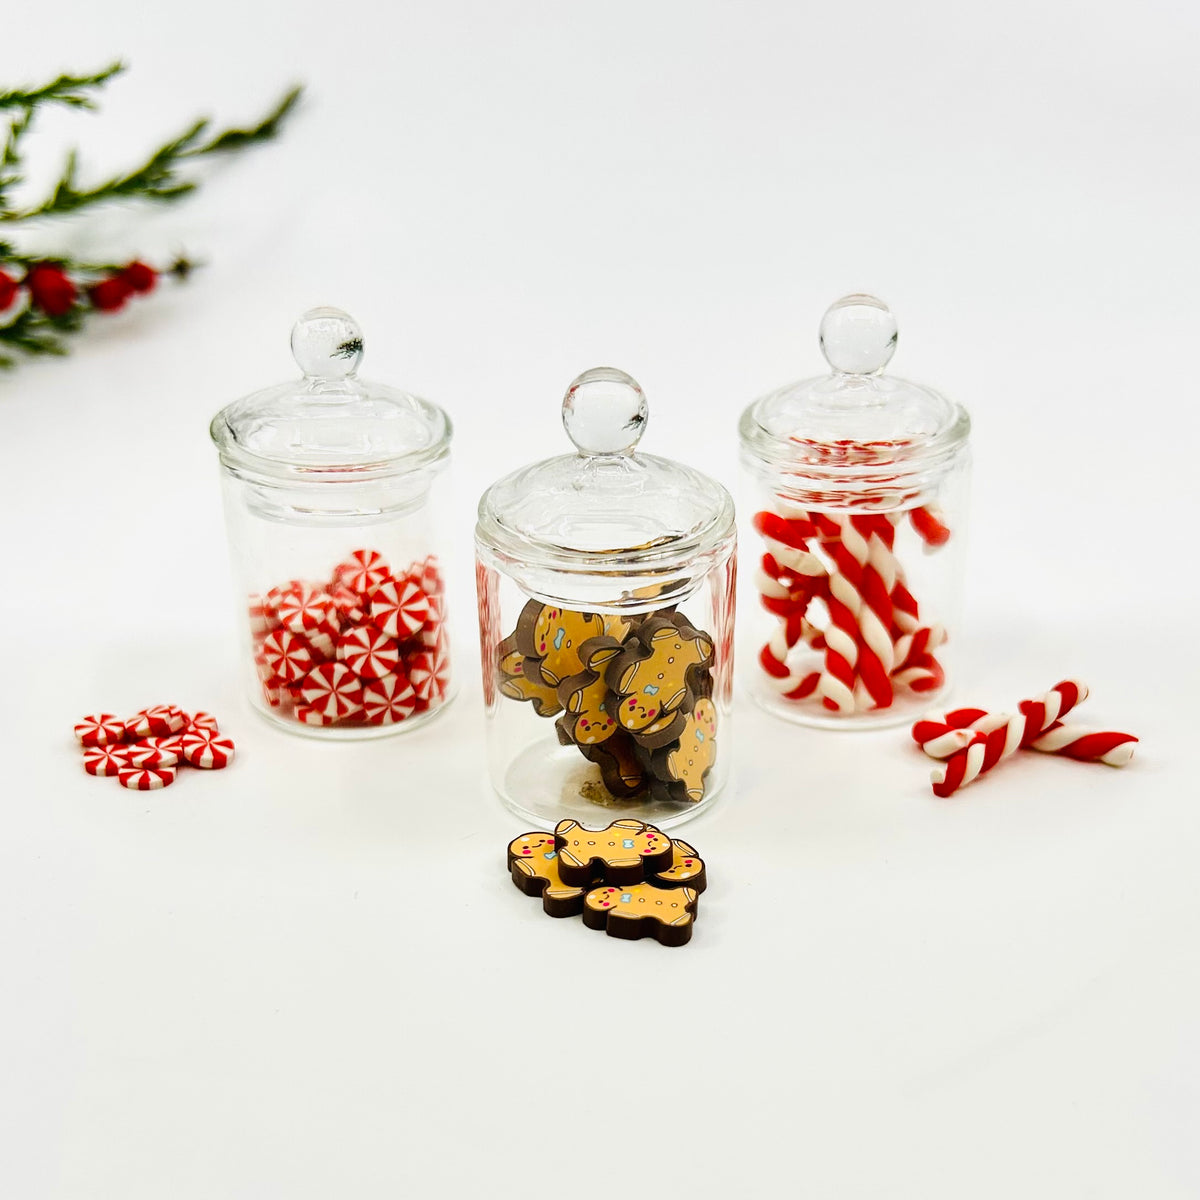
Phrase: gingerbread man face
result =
(536, 853)
(590, 718)
(551, 637)
(651, 676)
(688, 764)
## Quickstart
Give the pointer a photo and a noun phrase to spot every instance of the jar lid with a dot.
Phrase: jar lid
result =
(607, 508)
(856, 419)
(329, 424)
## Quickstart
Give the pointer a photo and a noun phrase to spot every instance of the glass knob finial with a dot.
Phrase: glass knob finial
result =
(327, 344)
(858, 335)
(604, 412)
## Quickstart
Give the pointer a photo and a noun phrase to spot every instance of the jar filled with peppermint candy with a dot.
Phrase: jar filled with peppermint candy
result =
(858, 488)
(606, 608)
(328, 484)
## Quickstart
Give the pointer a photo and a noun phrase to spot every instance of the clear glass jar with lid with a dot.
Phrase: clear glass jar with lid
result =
(329, 486)
(606, 607)
(859, 487)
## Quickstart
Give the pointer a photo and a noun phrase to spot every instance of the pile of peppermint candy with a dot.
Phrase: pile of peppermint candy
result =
(366, 647)
(145, 752)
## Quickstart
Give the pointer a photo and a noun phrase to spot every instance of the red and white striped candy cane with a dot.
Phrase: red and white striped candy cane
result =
(1087, 745)
(997, 736)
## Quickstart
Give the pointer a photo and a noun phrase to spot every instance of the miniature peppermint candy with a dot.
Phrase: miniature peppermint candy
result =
(203, 720)
(100, 729)
(146, 779)
(106, 760)
(363, 572)
(332, 690)
(153, 752)
(429, 674)
(206, 749)
(368, 653)
(161, 720)
(263, 618)
(286, 657)
(388, 700)
(399, 608)
(306, 609)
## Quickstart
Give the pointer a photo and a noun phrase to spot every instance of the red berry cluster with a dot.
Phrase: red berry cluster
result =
(54, 292)
(146, 752)
(366, 647)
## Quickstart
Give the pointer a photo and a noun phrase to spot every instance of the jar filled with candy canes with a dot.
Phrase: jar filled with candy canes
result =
(606, 607)
(858, 487)
(329, 484)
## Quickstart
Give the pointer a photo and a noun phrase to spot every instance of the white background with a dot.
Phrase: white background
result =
(310, 976)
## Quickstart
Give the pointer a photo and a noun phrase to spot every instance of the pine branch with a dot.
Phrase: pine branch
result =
(157, 179)
(264, 131)
(71, 90)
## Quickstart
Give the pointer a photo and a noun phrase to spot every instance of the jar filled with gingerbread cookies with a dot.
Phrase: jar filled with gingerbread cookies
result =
(606, 608)
(858, 485)
(330, 486)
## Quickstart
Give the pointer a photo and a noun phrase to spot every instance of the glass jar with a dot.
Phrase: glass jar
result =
(328, 485)
(858, 483)
(606, 607)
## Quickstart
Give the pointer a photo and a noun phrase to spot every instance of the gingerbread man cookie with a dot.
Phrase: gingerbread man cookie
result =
(624, 852)
(586, 696)
(680, 770)
(642, 910)
(533, 863)
(656, 677)
(550, 638)
(516, 685)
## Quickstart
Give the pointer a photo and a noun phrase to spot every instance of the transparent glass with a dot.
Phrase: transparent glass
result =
(857, 488)
(606, 584)
(330, 491)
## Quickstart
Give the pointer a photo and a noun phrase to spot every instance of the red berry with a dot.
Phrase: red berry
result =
(140, 277)
(50, 289)
(8, 290)
(110, 294)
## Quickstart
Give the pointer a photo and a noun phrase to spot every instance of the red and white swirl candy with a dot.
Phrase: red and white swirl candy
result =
(429, 674)
(332, 691)
(287, 657)
(399, 607)
(108, 760)
(100, 729)
(363, 571)
(146, 779)
(388, 700)
(369, 653)
(206, 749)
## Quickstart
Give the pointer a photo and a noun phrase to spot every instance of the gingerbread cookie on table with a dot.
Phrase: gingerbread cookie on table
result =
(533, 864)
(516, 685)
(662, 667)
(680, 770)
(625, 852)
(642, 910)
(550, 638)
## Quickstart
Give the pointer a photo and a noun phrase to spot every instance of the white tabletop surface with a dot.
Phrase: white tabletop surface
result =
(310, 976)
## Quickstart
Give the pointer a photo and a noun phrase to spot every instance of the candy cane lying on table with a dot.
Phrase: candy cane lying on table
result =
(997, 736)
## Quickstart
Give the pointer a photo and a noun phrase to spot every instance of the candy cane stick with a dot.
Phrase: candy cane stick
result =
(1087, 745)
(1009, 734)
